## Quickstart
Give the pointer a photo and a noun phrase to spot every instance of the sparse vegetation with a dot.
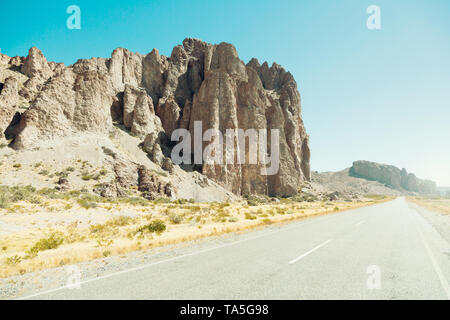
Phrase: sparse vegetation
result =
(439, 204)
(9, 195)
(375, 197)
(175, 218)
(102, 236)
(44, 172)
(13, 260)
(156, 226)
(52, 242)
(87, 202)
(249, 216)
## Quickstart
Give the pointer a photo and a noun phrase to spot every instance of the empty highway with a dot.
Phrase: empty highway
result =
(385, 251)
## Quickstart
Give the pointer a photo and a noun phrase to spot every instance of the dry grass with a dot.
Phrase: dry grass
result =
(436, 204)
(62, 230)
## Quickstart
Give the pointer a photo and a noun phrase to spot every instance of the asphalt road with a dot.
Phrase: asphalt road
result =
(385, 251)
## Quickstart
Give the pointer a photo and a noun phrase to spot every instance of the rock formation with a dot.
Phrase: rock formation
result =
(392, 177)
(153, 95)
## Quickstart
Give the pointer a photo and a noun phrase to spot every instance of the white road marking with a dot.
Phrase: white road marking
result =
(299, 224)
(309, 252)
(292, 226)
(359, 223)
(436, 267)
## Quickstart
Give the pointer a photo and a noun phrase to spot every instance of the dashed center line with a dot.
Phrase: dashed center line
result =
(309, 252)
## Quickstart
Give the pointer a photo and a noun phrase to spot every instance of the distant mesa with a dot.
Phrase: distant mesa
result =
(392, 177)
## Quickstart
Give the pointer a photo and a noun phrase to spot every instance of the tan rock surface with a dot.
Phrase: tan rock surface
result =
(154, 95)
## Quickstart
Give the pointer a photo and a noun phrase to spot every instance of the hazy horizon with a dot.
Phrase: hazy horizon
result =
(377, 95)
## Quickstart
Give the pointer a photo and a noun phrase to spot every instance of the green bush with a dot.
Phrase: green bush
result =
(52, 242)
(157, 226)
(10, 195)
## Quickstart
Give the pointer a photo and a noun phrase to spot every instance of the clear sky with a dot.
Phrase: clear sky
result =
(379, 95)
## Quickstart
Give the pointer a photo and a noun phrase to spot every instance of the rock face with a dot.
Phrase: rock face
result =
(153, 95)
(392, 177)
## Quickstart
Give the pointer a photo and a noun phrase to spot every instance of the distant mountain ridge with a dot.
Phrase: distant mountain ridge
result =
(392, 177)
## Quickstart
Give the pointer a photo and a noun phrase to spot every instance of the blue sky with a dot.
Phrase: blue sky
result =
(380, 95)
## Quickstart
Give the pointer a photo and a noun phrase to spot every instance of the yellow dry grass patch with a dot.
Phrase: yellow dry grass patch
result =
(436, 204)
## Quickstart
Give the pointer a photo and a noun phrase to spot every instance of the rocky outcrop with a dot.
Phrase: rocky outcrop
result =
(209, 83)
(151, 186)
(392, 177)
(10, 101)
(153, 95)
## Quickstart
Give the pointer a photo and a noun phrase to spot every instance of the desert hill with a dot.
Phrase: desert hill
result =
(112, 118)
(365, 177)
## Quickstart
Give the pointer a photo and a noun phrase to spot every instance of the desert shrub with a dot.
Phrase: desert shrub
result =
(74, 193)
(305, 197)
(194, 209)
(88, 202)
(175, 218)
(17, 165)
(254, 200)
(22, 193)
(233, 219)
(87, 177)
(375, 196)
(183, 201)
(52, 242)
(5, 201)
(73, 235)
(62, 174)
(120, 221)
(44, 172)
(12, 261)
(98, 228)
(48, 192)
(157, 226)
(135, 201)
(161, 200)
(10, 195)
(223, 205)
(248, 216)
